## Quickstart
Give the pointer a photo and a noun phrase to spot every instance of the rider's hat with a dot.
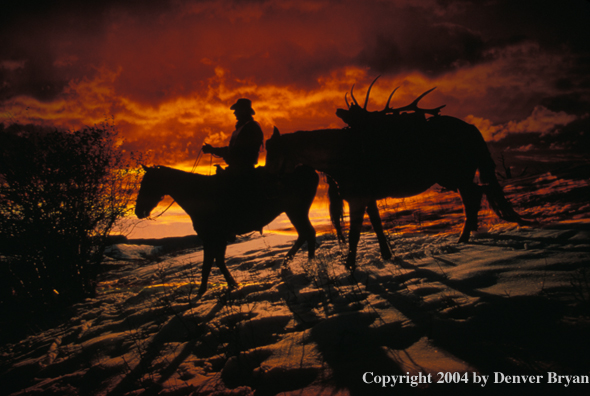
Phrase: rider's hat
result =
(243, 104)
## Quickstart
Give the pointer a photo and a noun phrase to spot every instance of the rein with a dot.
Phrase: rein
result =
(164, 211)
(173, 201)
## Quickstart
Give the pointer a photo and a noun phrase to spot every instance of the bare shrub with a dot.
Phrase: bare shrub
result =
(61, 193)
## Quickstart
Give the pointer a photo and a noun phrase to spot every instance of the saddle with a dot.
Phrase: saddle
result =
(246, 196)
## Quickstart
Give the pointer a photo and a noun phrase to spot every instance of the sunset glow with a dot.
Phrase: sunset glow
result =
(168, 71)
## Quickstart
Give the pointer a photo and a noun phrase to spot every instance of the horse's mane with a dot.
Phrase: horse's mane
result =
(168, 176)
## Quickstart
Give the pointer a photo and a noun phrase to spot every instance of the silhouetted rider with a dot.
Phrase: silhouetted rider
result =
(239, 186)
(242, 152)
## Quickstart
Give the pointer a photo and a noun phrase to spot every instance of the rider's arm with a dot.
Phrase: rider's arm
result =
(217, 151)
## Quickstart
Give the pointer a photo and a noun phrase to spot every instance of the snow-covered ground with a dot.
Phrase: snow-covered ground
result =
(513, 305)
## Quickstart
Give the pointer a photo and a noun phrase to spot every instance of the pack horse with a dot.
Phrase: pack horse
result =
(397, 153)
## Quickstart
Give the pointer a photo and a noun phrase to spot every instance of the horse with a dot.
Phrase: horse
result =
(367, 165)
(219, 210)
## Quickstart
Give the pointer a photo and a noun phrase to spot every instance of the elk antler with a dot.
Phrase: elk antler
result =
(389, 100)
(366, 99)
(346, 100)
(369, 92)
(352, 96)
(414, 106)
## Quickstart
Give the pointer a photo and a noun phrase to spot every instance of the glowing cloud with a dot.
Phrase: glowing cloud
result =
(542, 121)
(167, 71)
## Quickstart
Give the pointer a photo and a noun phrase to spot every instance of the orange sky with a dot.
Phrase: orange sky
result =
(167, 71)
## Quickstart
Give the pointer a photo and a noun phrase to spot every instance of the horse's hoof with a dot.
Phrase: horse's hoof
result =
(352, 276)
(286, 271)
(350, 263)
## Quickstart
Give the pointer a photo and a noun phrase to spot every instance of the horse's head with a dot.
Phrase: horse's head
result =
(275, 153)
(150, 193)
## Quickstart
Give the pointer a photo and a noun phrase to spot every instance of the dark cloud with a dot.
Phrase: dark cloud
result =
(433, 40)
(30, 77)
(573, 138)
(534, 153)
(496, 60)
(72, 11)
(55, 42)
(164, 42)
(436, 50)
(409, 36)
(551, 23)
(573, 103)
(288, 63)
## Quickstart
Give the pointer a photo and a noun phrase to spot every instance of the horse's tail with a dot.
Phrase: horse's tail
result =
(493, 190)
(336, 207)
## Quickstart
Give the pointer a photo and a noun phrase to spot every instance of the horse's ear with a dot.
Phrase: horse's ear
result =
(275, 132)
(145, 168)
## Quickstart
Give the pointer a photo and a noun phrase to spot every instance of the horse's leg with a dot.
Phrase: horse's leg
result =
(356, 212)
(375, 218)
(305, 232)
(471, 196)
(311, 241)
(294, 249)
(220, 260)
(207, 264)
(336, 208)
